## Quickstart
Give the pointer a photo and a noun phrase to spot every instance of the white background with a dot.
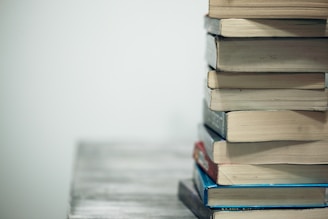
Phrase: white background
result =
(70, 71)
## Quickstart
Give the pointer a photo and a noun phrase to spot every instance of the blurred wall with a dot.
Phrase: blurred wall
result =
(90, 70)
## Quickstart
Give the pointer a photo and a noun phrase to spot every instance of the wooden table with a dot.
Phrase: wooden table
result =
(129, 180)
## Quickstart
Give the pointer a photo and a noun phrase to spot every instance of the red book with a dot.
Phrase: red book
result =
(235, 174)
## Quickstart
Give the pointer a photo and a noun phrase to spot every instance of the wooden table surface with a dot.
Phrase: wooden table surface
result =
(127, 180)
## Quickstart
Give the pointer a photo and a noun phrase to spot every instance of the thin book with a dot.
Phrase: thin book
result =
(267, 54)
(221, 151)
(258, 195)
(189, 196)
(248, 174)
(315, 9)
(240, 27)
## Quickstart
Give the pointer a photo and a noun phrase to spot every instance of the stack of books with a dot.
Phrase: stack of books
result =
(263, 143)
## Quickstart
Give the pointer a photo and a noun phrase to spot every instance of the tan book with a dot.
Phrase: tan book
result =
(266, 99)
(221, 151)
(265, 80)
(268, 125)
(267, 54)
(268, 9)
(239, 27)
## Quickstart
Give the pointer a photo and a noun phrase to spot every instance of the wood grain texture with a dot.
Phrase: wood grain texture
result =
(124, 180)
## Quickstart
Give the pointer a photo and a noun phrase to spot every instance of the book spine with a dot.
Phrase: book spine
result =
(200, 185)
(211, 51)
(189, 196)
(216, 120)
(207, 140)
(212, 26)
(204, 161)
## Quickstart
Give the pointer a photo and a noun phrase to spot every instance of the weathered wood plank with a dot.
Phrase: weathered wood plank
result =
(124, 180)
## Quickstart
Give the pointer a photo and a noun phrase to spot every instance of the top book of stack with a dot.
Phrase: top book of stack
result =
(296, 9)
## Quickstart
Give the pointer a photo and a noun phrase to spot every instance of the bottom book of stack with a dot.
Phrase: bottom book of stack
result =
(208, 200)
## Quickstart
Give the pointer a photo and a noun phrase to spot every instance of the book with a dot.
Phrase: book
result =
(268, 9)
(227, 99)
(189, 196)
(267, 125)
(258, 195)
(265, 80)
(267, 54)
(234, 174)
(269, 152)
(239, 27)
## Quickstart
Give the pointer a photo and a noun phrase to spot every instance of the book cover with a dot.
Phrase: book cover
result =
(258, 195)
(189, 196)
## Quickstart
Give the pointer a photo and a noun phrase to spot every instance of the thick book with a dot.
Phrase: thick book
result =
(268, 9)
(226, 99)
(239, 27)
(267, 125)
(234, 174)
(258, 195)
(221, 151)
(267, 54)
(189, 196)
(265, 80)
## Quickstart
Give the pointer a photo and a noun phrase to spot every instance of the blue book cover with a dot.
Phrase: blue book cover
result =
(188, 195)
(258, 196)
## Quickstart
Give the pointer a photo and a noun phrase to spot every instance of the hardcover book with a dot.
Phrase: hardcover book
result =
(234, 174)
(267, 125)
(258, 195)
(268, 9)
(267, 54)
(221, 151)
(189, 196)
(239, 27)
